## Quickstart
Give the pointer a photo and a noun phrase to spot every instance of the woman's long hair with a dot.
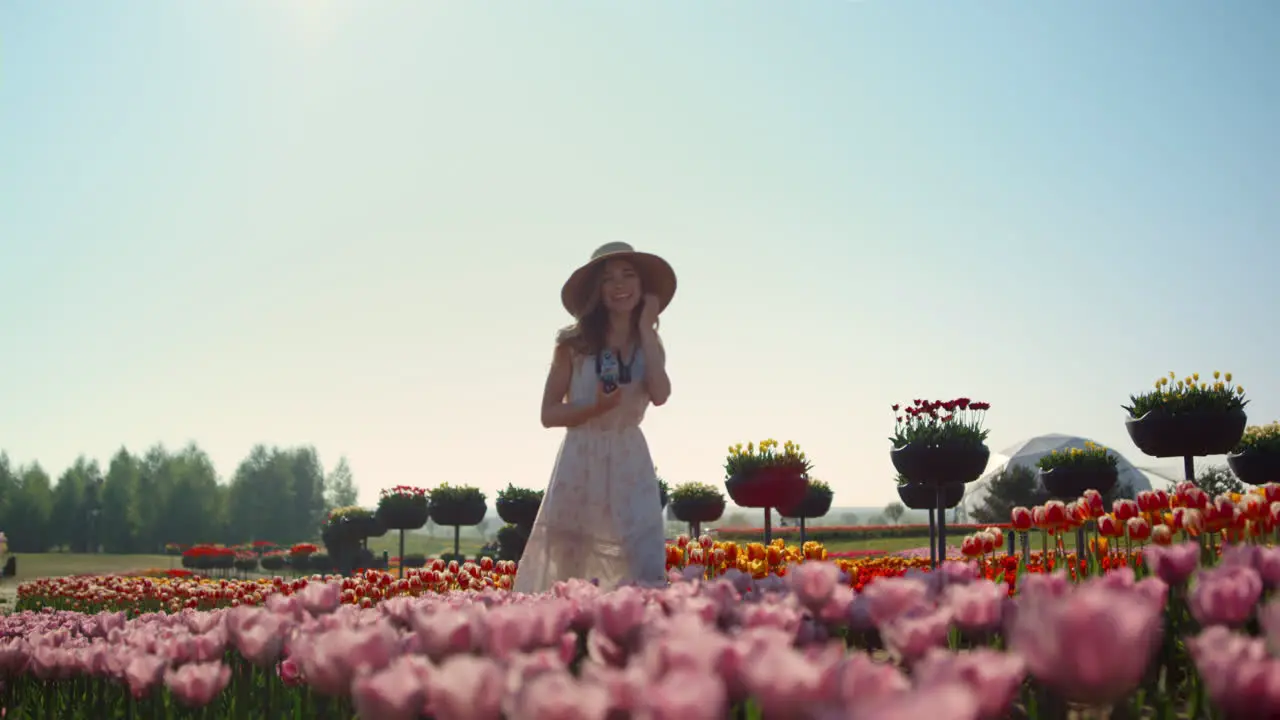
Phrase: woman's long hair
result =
(586, 337)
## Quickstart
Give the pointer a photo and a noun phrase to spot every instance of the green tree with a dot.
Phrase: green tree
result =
(1014, 486)
(1217, 480)
(894, 511)
(341, 485)
(307, 508)
(30, 511)
(120, 521)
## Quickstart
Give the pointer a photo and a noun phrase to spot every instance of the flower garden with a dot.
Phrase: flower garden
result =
(1159, 606)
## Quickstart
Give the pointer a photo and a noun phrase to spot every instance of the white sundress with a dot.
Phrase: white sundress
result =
(601, 518)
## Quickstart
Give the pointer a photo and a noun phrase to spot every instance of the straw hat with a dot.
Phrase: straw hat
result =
(656, 276)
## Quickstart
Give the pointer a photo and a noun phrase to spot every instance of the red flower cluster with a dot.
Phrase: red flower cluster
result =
(940, 410)
(209, 551)
(303, 549)
(407, 490)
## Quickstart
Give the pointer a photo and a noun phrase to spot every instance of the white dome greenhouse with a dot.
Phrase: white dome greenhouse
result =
(1028, 452)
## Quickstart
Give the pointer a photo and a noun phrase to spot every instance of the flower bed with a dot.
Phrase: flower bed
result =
(1164, 639)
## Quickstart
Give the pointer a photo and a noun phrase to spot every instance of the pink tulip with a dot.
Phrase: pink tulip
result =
(257, 634)
(620, 615)
(890, 597)
(321, 598)
(814, 583)
(559, 696)
(993, 677)
(976, 607)
(443, 634)
(1225, 595)
(687, 697)
(394, 693)
(1173, 563)
(196, 684)
(143, 672)
(782, 681)
(1092, 644)
(911, 636)
(466, 687)
(1239, 676)
(939, 702)
(859, 680)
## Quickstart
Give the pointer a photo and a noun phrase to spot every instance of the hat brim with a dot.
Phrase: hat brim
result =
(656, 275)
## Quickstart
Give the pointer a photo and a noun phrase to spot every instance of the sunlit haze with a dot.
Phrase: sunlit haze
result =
(347, 224)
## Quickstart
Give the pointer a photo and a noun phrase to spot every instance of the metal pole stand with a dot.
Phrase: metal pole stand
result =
(401, 552)
(942, 525)
(933, 540)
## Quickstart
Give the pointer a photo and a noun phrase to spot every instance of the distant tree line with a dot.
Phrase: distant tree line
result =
(140, 503)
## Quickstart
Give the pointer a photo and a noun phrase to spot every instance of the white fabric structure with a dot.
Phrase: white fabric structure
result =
(1028, 452)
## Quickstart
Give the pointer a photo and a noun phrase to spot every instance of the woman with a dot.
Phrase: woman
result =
(601, 518)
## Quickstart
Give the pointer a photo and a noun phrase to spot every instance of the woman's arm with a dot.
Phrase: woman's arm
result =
(655, 366)
(555, 411)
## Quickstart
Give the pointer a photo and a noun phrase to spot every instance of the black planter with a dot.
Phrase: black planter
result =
(339, 533)
(918, 496)
(449, 512)
(814, 505)
(697, 510)
(361, 526)
(1071, 482)
(519, 511)
(940, 464)
(1193, 434)
(401, 514)
(1254, 467)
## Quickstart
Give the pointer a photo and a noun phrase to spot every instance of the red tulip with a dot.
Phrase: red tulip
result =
(1021, 519)
(1138, 528)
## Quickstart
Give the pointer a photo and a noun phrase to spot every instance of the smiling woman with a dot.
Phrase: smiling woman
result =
(601, 517)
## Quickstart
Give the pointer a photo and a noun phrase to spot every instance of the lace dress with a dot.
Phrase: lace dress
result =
(601, 518)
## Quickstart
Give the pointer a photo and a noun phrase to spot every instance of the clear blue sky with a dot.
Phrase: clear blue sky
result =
(347, 223)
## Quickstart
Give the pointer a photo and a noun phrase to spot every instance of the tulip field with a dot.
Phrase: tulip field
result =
(1168, 612)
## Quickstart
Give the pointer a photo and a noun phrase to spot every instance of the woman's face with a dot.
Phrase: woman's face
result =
(620, 286)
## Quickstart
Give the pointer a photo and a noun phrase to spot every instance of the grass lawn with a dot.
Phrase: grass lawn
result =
(422, 544)
(38, 565)
(888, 545)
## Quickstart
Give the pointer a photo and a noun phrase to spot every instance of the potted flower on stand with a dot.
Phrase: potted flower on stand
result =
(403, 508)
(343, 533)
(664, 490)
(1068, 473)
(458, 506)
(697, 503)
(940, 444)
(1256, 458)
(763, 477)
(519, 506)
(815, 503)
(1187, 418)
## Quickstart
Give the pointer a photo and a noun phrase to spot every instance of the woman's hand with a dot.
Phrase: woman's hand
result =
(649, 312)
(607, 401)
